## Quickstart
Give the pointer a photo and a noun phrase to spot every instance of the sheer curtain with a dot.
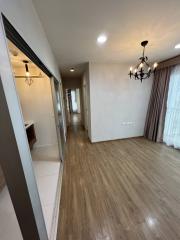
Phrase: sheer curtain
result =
(171, 134)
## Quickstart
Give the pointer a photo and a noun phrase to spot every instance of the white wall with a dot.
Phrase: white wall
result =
(118, 105)
(37, 106)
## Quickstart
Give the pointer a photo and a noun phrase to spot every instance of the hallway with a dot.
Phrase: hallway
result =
(75, 119)
(126, 189)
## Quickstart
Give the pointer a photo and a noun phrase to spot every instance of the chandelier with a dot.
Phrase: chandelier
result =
(142, 70)
(28, 77)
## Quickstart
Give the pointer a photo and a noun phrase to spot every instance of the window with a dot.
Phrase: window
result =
(172, 121)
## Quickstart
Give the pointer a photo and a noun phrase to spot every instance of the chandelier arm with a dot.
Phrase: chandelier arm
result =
(138, 76)
(137, 66)
(145, 76)
(147, 64)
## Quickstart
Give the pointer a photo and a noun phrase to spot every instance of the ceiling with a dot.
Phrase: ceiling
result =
(17, 57)
(72, 27)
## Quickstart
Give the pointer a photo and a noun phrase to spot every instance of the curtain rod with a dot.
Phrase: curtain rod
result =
(169, 62)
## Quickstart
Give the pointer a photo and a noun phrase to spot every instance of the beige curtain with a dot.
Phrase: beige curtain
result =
(157, 106)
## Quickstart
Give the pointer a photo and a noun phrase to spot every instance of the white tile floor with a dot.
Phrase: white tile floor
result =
(46, 167)
(47, 174)
(46, 153)
(9, 228)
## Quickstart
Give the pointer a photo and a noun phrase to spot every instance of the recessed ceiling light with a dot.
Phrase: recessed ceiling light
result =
(101, 39)
(72, 70)
(177, 46)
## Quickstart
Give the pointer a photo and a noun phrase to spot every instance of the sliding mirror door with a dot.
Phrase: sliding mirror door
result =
(57, 99)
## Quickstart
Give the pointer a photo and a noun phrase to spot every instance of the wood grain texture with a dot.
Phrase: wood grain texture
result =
(2, 179)
(119, 190)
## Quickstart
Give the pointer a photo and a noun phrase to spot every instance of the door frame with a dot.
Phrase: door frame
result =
(12, 34)
(21, 183)
(61, 138)
(15, 157)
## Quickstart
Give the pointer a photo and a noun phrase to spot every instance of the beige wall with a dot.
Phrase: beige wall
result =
(37, 105)
(71, 82)
(118, 105)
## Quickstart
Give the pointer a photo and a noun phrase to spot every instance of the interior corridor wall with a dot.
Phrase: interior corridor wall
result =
(118, 104)
(86, 101)
(37, 106)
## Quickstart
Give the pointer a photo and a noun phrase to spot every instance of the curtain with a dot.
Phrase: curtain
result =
(171, 134)
(154, 125)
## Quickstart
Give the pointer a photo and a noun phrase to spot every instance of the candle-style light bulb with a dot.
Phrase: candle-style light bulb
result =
(155, 65)
(141, 65)
(27, 74)
(27, 70)
(131, 68)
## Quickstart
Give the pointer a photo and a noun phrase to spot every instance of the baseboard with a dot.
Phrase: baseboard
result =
(114, 139)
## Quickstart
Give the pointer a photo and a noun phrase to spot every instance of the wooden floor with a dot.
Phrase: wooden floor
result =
(119, 190)
(2, 179)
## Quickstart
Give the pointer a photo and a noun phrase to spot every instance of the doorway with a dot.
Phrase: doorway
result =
(74, 110)
(34, 89)
(33, 186)
(56, 94)
(43, 124)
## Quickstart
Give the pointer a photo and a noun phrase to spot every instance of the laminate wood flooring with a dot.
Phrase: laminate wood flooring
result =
(119, 190)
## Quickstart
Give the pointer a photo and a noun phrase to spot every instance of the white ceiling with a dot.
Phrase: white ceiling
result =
(17, 57)
(72, 27)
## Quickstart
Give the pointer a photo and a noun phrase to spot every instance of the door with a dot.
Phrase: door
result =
(85, 104)
(57, 102)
